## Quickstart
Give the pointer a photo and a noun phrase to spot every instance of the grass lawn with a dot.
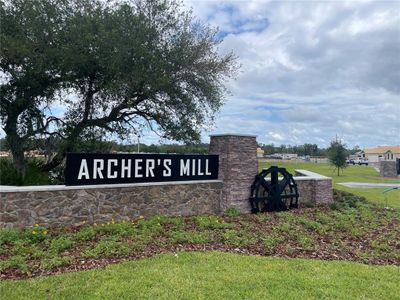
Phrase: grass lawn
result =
(350, 174)
(215, 275)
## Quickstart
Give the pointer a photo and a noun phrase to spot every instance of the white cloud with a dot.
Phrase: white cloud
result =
(318, 69)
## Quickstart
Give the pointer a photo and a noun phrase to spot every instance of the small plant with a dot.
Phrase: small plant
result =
(210, 222)
(123, 228)
(272, 241)
(16, 261)
(60, 244)
(55, 262)
(306, 242)
(232, 212)
(286, 216)
(109, 247)
(191, 237)
(239, 238)
(10, 236)
(37, 233)
(284, 227)
(87, 233)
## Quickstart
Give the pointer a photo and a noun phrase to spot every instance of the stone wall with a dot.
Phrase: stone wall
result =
(238, 165)
(388, 168)
(313, 188)
(60, 205)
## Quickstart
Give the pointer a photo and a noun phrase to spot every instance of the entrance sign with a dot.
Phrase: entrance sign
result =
(92, 168)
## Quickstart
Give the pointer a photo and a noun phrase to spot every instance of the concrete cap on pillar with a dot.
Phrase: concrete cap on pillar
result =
(233, 134)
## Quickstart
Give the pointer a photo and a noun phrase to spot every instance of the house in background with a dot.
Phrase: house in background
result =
(381, 153)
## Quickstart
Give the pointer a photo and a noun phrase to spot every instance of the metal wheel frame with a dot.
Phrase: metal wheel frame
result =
(276, 194)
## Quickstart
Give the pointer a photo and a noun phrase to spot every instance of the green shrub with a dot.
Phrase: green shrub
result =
(178, 237)
(10, 236)
(36, 233)
(110, 247)
(305, 241)
(211, 222)
(33, 174)
(85, 234)
(123, 228)
(55, 262)
(16, 261)
(284, 227)
(344, 199)
(60, 244)
(272, 241)
(232, 212)
(239, 238)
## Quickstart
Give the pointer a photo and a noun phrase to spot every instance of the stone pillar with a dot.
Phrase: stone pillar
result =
(238, 165)
(387, 168)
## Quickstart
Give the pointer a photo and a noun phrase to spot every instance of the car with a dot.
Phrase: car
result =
(361, 161)
(350, 161)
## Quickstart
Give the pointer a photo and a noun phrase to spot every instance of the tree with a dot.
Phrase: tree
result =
(337, 154)
(118, 68)
(29, 78)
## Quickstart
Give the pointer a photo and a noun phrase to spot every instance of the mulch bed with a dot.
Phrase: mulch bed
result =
(325, 250)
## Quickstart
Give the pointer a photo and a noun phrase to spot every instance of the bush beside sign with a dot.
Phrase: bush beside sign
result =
(92, 169)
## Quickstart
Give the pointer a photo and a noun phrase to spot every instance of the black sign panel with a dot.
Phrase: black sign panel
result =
(92, 168)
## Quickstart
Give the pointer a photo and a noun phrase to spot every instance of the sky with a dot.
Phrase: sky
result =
(310, 70)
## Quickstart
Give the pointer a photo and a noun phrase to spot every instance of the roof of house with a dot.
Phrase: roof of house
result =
(382, 149)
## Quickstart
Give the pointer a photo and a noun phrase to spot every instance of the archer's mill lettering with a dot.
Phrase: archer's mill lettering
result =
(139, 168)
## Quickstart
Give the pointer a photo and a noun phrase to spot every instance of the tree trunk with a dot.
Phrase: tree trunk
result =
(16, 144)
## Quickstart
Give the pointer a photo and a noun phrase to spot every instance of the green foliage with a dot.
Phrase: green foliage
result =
(211, 222)
(108, 247)
(272, 241)
(239, 237)
(166, 75)
(10, 236)
(285, 227)
(232, 212)
(16, 261)
(55, 262)
(337, 155)
(34, 175)
(346, 199)
(60, 244)
(305, 241)
(123, 228)
(85, 234)
(178, 237)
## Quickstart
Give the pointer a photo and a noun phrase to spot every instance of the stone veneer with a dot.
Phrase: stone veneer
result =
(388, 168)
(60, 205)
(313, 188)
(238, 165)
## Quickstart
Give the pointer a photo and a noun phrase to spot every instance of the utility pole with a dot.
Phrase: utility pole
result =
(138, 143)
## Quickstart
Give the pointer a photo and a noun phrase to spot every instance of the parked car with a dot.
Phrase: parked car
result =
(361, 161)
(350, 161)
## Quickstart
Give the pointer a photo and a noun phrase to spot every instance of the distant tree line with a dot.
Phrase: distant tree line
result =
(302, 150)
(48, 147)
(96, 143)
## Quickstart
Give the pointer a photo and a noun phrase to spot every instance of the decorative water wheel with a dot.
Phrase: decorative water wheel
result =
(274, 189)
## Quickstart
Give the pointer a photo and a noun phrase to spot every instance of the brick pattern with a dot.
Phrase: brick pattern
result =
(66, 207)
(387, 168)
(238, 166)
(315, 192)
